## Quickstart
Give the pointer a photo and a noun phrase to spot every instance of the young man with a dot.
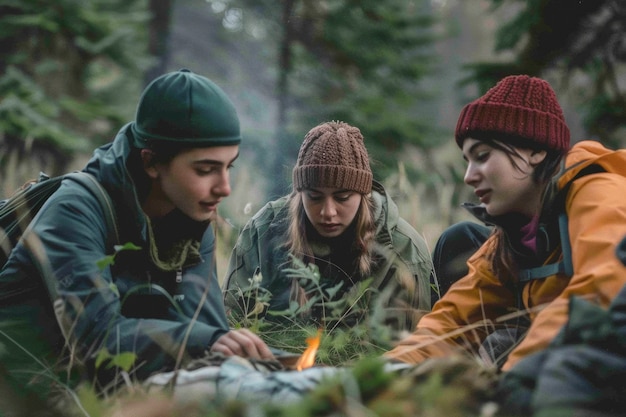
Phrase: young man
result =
(165, 174)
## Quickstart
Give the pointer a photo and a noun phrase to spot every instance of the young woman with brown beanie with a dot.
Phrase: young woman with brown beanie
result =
(340, 220)
(524, 174)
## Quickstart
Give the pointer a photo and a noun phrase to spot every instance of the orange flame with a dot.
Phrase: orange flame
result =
(308, 356)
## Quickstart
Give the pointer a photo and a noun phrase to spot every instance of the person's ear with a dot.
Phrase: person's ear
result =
(536, 157)
(147, 158)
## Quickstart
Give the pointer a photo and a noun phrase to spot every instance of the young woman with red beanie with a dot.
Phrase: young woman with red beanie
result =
(341, 220)
(524, 174)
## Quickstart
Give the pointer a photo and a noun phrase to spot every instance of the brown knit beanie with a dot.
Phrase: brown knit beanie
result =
(333, 155)
(519, 106)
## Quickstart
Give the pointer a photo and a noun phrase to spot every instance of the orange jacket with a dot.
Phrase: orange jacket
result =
(596, 208)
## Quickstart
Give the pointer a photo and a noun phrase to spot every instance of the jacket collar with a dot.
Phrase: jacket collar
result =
(385, 213)
(109, 164)
(508, 222)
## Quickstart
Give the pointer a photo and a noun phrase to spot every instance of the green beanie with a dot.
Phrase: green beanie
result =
(185, 108)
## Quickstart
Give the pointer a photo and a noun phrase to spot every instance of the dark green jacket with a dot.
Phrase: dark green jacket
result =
(583, 370)
(131, 306)
(581, 373)
(400, 252)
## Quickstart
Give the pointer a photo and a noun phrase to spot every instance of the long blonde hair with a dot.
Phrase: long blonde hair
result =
(299, 246)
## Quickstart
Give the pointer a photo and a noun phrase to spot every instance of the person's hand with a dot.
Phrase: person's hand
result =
(242, 342)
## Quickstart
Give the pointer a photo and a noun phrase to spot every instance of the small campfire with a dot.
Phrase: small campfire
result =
(236, 377)
(307, 359)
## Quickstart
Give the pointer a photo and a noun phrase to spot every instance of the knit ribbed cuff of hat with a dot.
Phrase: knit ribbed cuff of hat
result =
(342, 177)
(525, 123)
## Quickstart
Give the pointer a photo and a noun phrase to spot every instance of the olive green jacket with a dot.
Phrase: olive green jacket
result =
(400, 277)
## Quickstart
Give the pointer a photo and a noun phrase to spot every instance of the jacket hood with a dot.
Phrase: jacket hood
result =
(385, 212)
(588, 152)
(109, 164)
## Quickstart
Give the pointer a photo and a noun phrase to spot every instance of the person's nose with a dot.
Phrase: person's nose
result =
(329, 209)
(222, 187)
(471, 175)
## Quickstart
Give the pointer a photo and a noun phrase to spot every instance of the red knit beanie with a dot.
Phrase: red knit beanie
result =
(333, 155)
(518, 106)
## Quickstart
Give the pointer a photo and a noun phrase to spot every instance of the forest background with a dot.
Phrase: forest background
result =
(71, 74)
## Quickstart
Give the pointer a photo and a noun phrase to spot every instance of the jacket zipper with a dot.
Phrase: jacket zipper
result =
(179, 279)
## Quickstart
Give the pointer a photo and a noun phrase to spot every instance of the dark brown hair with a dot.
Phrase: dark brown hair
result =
(503, 259)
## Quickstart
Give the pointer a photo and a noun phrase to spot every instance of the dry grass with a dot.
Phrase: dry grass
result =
(428, 206)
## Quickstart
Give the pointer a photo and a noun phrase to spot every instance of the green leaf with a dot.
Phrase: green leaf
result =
(106, 261)
(332, 291)
(110, 259)
(102, 356)
(124, 360)
(126, 246)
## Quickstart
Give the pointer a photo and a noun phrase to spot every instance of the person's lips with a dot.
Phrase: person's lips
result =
(482, 194)
(210, 205)
(330, 226)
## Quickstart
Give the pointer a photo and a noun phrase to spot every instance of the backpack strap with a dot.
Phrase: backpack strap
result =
(92, 184)
(565, 265)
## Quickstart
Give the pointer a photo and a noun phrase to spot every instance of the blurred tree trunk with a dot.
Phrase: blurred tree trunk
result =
(158, 37)
(279, 184)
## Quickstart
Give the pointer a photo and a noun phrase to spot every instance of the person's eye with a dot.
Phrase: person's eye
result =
(314, 197)
(482, 156)
(205, 171)
(342, 197)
